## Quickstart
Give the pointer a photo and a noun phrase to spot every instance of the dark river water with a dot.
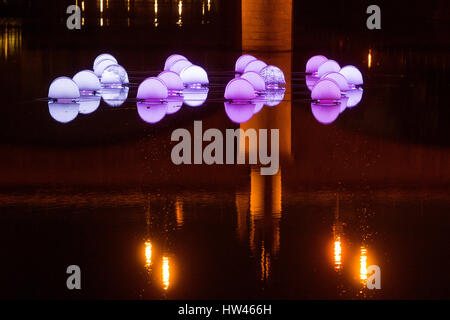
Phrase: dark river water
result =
(101, 191)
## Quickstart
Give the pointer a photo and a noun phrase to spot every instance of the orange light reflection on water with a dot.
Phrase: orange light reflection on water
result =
(165, 273)
(337, 253)
(363, 265)
(148, 254)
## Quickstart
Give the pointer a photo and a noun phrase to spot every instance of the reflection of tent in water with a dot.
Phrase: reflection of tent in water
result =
(63, 112)
(114, 97)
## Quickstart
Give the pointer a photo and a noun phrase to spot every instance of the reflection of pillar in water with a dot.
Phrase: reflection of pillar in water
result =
(165, 272)
(363, 264)
(148, 254)
(265, 215)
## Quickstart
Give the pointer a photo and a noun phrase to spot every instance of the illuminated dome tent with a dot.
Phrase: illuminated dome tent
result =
(87, 81)
(194, 76)
(172, 80)
(339, 79)
(328, 66)
(255, 79)
(255, 65)
(310, 81)
(152, 88)
(102, 65)
(239, 112)
(239, 89)
(326, 90)
(353, 75)
(151, 112)
(103, 56)
(63, 112)
(114, 75)
(63, 88)
(242, 62)
(314, 63)
(171, 60)
(273, 76)
(179, 65)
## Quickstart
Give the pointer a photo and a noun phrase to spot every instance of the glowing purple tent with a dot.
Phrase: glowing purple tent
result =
(242, 62)
(255, 79)
(172, 80)
(239, 89)
(63, 88)
(314, 62)
(152, 88)
(326, 90)
(171, 60)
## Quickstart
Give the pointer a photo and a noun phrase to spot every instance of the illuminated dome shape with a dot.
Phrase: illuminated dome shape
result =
(179, 65)
(240, 90)
(326, 90)
(255, 79)
(354, 97)
(328, 66)
(63, 88)
(86, 80)
(325, 113)
(259, 104)
(171, 60)
(101, 57)
(151, 112)
(352, 74)
(242, 62)
(152, 88)
(273, 97)
(314, 63)
(115, 97)
(311, 81)
(174, 103)
(273, 76)
(195, 97)
(258, 107)
(343, 103)
(172, 80)
(63, 112)
(114, 75)
(339, 79)
(255, 65)
(89, 104)
(239, 112)
(102, 65)
(194, 75)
